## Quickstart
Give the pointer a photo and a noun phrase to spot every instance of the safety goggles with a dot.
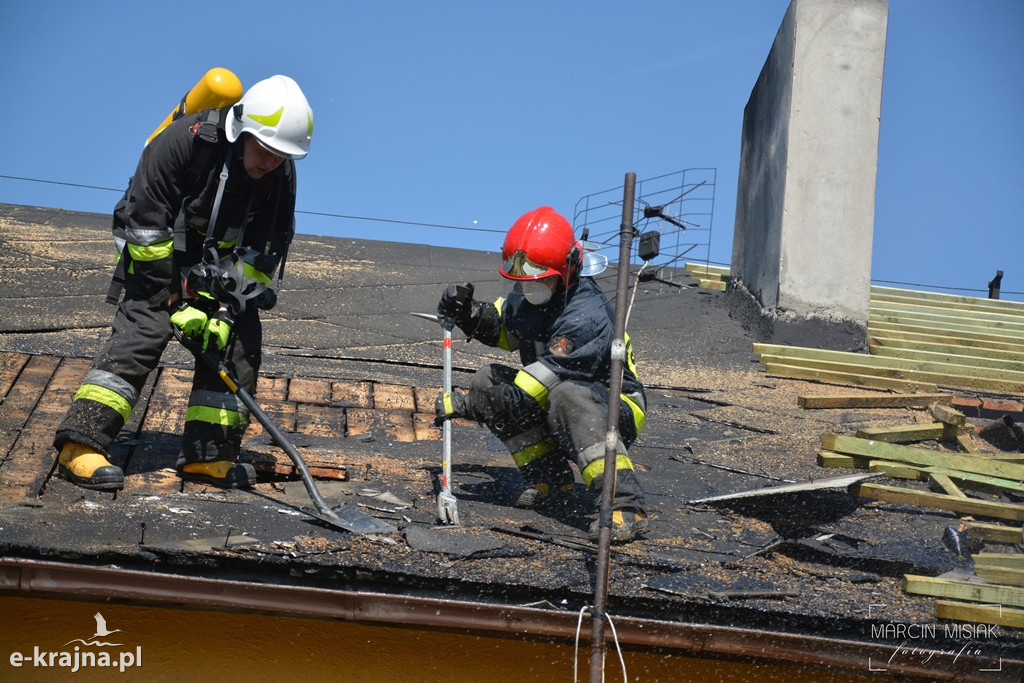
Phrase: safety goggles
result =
(520, 266)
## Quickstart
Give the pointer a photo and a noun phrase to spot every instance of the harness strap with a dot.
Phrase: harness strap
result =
(207, 130)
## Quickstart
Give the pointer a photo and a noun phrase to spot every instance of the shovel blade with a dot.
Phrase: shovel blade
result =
(447, 508)
(350, 519)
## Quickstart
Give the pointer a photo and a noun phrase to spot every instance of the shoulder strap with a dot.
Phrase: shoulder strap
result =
(208, 130)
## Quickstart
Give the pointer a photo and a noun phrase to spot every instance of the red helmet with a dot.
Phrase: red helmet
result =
(540, 244)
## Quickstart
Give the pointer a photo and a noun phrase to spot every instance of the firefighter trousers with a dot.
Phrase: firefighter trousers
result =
(215, 420)
(543, 443)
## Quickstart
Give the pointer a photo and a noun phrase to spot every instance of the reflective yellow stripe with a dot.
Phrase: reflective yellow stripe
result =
(251, 273)
(153, 252)
(111, 399)
(447, 401)
(639, 416)
(503, 342)
(217, 416)
(630, 358)
(531, 453)
(596, 468)
(270, 120)
(534, 388)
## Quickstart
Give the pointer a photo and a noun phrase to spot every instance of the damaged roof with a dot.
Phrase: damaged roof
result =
(350, 376)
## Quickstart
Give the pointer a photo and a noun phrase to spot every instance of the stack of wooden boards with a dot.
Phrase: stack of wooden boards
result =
(995, 594)
(918, 341)
(708, 277)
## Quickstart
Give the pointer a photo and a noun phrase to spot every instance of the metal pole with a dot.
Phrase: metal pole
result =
(597, 651)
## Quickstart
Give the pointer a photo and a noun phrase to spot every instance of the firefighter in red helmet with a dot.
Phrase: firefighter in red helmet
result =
(552, 411)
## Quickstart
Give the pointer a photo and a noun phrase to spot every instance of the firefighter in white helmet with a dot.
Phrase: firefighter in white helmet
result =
(205, 223)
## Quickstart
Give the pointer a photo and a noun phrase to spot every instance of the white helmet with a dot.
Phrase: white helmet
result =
(276, 112)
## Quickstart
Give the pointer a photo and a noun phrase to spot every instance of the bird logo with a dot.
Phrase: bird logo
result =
(101, 632)
(101, 627)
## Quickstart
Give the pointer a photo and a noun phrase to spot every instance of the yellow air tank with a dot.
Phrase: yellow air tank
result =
(218, 88)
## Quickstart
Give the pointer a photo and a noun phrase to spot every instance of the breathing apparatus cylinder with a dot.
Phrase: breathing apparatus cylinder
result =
(217, 88)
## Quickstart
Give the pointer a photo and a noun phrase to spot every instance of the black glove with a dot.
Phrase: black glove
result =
(457, 305)
(447, 406)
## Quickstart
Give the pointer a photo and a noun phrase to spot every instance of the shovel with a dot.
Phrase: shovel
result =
(447, 506)
(344, 517)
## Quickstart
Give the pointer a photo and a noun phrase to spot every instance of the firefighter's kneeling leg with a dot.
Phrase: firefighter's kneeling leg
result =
(578, 417)
(521, 424)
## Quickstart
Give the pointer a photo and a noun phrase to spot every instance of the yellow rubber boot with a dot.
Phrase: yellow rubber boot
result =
(88, 468)
(626, 526)
(223, 473)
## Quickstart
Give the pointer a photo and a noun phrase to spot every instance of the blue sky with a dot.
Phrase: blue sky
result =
(468, 113)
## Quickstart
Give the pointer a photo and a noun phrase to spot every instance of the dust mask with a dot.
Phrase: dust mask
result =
(537, 292)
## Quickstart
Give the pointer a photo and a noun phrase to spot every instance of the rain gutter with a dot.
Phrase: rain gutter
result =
(39, 578)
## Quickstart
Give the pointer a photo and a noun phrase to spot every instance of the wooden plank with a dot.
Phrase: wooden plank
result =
(960, 357)
(169, 402)
(164, 415)
(953, 377)
(997, 533)
(352, 394)
(324, 421)
(942, 318)
(10, 367)
(829, 459)
(863, 364)
(796, 372)
(979, 614)
(33, 380)
(941, 483)
(161, 481)
(393, 397)
(777, 352)
(425, 397)
(270, 460)
(970, 303)
(903, 433)
(948, 415)
(1011, 561)
(716, 285)
(980, 482)
(969, 506)
(872, 401)
(21, 399)
(921, 456)
(1004, 575)
(966, 442)
(964, 590)
(925, 333)
(897, 470)
(423, 426)
(963, 329)
(701, 268)
(967, 480)
(384, 424)
(32, 457)
(310, 391)
(271, 388)
(880, 344)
